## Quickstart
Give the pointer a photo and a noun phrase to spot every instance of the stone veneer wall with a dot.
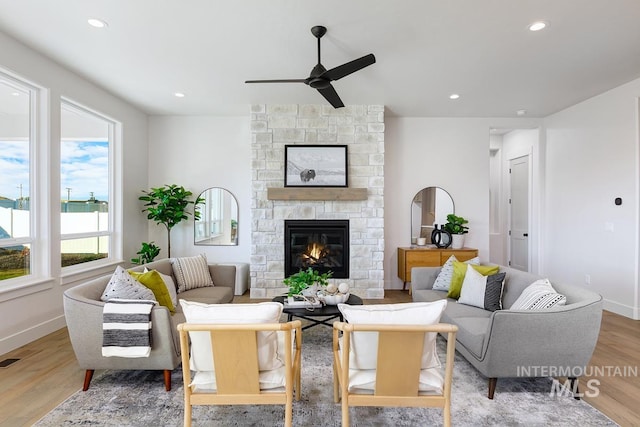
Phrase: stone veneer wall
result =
(361, 127)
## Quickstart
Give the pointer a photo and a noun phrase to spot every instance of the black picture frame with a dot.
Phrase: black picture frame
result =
(315, 166)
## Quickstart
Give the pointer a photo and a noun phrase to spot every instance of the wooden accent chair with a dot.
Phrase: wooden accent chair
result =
(237, 378)
(396, 378)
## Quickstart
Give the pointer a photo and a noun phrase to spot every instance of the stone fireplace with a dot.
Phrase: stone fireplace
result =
(322, 244)
(361, 128)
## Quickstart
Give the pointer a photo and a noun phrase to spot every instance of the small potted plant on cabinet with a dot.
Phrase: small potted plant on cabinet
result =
(456, 226)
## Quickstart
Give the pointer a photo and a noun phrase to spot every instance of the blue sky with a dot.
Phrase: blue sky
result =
(84, 169)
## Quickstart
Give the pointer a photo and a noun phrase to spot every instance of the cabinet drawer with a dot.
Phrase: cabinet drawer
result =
(423, 259)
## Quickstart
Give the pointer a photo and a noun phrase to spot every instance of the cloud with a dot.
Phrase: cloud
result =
(84, 168)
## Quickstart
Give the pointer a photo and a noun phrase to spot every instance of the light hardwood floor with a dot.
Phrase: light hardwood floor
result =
(47, 372)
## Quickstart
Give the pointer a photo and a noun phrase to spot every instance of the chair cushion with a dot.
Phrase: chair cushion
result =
(364, 351)
(363, 381)
(272, 380)
(472, 332)
(191, 272)
(265, 312)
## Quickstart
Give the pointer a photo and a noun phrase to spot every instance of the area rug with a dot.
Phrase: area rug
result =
(138, 398)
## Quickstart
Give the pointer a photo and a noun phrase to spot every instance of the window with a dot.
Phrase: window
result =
(17, 107)
(85, 179)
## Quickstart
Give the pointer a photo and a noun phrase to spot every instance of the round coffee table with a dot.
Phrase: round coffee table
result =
(319, 315)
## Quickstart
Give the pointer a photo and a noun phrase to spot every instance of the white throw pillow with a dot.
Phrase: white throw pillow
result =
(191, 272)
(264, 312)
(123, 286)
(538, 296)
(482, 291)
(443, 281)
(364, 354)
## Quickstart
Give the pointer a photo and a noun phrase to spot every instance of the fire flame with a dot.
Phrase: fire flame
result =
(314, 252)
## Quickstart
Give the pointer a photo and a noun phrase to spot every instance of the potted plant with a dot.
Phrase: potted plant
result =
(167, 205)
(304, 281)
(456, 226)
(147, 253)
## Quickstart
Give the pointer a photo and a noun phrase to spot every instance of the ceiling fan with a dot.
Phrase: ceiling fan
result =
(321, 78)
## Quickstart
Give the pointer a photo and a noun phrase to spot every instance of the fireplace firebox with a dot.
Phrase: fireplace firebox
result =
(320, 244)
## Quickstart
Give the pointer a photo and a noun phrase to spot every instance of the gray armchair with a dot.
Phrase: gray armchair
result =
(83, 313)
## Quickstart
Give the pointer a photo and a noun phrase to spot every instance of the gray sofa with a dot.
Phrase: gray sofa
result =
(83, 313)
(520, 343)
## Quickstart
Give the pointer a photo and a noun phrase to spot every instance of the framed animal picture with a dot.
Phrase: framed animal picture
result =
(315, 166)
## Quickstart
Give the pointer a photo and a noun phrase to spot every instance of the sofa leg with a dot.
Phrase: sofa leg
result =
(573, 382)
(492, 387)
(87, 379)
(167, 380)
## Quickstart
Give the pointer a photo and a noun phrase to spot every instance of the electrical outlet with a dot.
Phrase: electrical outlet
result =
(587, 279)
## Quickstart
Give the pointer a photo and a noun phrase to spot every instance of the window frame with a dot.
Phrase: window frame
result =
(114, 135)
(36, 271)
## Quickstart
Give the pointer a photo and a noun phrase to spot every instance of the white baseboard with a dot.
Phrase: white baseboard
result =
(622, 309)
(31, 334)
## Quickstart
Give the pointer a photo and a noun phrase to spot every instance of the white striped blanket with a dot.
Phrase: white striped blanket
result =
(126, 328)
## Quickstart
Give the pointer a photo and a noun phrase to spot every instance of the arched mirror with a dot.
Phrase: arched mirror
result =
(430, 206)
(218, 223)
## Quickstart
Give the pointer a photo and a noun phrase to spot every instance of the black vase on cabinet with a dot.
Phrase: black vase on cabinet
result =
(440, 237)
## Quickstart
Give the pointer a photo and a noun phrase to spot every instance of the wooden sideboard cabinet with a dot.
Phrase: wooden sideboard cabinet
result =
(417, 256)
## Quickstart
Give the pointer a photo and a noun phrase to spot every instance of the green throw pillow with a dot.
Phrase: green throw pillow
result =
(460, 270)
(153, 281)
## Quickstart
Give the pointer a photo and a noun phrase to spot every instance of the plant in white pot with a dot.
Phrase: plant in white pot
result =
(306, 282)
(456, 227)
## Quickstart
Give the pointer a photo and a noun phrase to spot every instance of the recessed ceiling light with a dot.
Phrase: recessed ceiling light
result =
(537, 26)
(454, 96)
(521, 112)
(15, 93)
(98, 23)
(179, 95)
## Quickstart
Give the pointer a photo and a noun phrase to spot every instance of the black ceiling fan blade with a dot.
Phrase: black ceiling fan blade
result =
(277, 81)
(331, 95)
(350, 67)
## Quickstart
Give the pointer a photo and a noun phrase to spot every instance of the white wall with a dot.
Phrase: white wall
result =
(28, 315)
(452, 153)
(201, 152)
(592, 158)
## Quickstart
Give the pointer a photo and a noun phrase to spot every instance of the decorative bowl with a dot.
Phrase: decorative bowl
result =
(335, 299)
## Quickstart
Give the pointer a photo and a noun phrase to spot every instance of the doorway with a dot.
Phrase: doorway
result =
(519, 213)
(515, 197)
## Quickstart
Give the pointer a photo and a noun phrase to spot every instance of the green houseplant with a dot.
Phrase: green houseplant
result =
(304, 279)
(147, 253)
(167, 205)
(456, 226)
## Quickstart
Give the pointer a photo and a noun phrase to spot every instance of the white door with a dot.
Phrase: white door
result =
(519, 202)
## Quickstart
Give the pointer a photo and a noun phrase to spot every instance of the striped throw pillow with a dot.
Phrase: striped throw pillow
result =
(538, 296)
(191, 272)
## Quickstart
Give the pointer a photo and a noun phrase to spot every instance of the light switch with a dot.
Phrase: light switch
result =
(608, 226)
